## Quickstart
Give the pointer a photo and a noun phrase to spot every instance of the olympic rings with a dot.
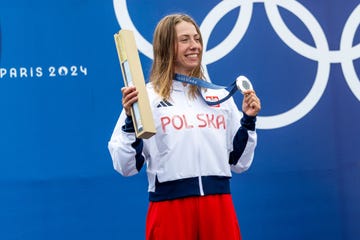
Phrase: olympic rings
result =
(322, 54)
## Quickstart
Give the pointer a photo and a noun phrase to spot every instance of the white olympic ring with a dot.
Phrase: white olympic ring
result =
(347, 39)
(322, 54)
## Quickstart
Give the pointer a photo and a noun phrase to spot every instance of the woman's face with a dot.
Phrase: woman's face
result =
(188, 48)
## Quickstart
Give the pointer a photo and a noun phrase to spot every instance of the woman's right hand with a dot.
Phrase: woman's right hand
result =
(129, 96)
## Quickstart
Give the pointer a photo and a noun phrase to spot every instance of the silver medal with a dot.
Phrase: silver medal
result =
(243, 84)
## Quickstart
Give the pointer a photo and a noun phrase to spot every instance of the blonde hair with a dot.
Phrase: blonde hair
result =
(164, 49)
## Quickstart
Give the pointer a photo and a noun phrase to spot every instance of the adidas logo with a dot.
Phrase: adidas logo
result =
(164, 103)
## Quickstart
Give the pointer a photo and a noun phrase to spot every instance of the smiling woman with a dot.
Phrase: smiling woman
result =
(173, 40)
(196, 146)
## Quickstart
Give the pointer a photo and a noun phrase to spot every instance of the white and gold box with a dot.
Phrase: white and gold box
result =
(133, 76)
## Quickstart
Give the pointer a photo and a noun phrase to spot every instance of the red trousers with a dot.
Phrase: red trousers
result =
(211, 217)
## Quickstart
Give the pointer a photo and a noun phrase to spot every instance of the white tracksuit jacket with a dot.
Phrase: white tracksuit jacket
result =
(195, 148)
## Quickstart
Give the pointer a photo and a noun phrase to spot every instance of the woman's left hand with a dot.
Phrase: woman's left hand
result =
(251, 103)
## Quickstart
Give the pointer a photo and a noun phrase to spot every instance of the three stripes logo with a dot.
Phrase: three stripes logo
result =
(164, 103)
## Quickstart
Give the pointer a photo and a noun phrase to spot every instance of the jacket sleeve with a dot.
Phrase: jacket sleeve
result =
(244, 144)
(125, 149)
(244, 140)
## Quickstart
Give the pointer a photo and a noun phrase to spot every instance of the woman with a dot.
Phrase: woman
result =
(190, 159)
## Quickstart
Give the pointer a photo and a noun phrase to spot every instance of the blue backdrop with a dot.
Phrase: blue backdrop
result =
(60, 97)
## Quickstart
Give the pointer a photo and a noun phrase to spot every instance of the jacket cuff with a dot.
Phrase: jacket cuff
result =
(248, 122)
(128, 126)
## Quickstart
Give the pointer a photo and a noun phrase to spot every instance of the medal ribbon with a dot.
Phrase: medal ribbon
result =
(204, 84)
